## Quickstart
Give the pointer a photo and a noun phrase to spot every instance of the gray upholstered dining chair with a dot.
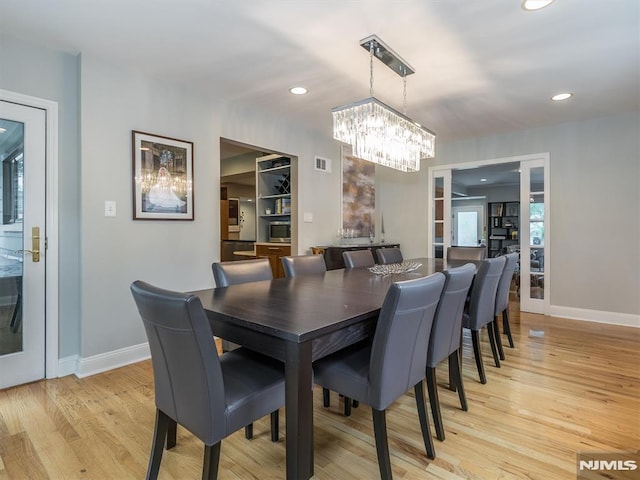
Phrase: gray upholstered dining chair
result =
(358, 258)
(241, 271)
(481, 309)
(502, 298)
(369, 372)
(466, 253)
(234, 273)
(211, 396)
(303, 265)
(389, 255)
(445, 338)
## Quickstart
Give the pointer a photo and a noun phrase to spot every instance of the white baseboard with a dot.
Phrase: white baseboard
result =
(67, 365)
(110, 360)
(611, 318)
(84, 367)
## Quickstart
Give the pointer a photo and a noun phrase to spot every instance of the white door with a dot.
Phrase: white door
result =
(467, 225)
(534, 237)
(22, 243)
(439, 213)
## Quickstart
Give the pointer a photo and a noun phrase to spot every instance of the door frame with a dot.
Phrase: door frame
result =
(445, 170)
(51, 256)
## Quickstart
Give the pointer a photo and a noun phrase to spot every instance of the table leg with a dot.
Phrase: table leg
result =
(299, 411)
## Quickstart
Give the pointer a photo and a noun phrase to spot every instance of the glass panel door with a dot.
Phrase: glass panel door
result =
(534, 281)
(439, 235)
(22, 244)
(11, 233)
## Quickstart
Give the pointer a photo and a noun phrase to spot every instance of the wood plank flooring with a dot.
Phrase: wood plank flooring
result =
(568, 386)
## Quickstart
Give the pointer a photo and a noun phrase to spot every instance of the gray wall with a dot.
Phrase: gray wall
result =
(175, 255)
(595, 205)
(53, 75)
(594, 191)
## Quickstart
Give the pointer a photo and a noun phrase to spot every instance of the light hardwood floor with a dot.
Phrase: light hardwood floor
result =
(568, 386)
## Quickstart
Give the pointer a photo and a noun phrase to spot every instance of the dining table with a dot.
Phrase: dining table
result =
(300, 320)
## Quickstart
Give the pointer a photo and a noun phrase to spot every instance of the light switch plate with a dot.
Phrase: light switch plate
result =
(308, 217)
(109, 208)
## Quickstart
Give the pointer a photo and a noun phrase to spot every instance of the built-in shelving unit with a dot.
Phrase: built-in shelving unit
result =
(273, 193)
(504, 225)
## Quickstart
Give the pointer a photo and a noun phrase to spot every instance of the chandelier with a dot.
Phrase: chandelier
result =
(377, 132)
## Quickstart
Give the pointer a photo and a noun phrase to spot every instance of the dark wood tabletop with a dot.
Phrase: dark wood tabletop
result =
(298, 321)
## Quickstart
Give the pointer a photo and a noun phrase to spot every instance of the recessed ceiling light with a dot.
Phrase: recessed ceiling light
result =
(2, 130)
(561, 96)
(531, 5)
(298, 90)
(483, 179)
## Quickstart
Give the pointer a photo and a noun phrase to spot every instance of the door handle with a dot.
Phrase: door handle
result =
(35, 245)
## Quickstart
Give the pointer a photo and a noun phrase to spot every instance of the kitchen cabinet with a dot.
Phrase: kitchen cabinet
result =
(274, 253)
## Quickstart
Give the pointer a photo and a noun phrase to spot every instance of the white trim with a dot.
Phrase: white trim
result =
(610, 318)
(51, 255)
(114, 359)
(68, 365)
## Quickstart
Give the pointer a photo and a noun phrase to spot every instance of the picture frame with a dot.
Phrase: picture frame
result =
(162, 177)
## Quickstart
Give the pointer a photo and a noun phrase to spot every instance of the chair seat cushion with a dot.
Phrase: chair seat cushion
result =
(346, 372)
(253, 387)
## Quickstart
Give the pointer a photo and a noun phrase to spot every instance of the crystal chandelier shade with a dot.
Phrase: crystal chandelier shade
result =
(377, 132)
(380, 134)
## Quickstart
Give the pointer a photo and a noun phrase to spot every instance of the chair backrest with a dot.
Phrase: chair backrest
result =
(502, 294)
(303, 265)
(447, 324)
(466, 253)
(399, 350)
(482, 304)
(389, 255)
(242, 271)
(186, 369)
(358, 258)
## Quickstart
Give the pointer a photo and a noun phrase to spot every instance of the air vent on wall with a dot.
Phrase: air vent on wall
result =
(323, 164)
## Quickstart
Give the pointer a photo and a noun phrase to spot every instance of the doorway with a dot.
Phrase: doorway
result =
(23, 234)
(468, 225)
(518, 220)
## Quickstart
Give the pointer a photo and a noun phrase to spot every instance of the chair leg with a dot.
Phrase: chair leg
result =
(493, 344)
(454, 363)
(172, 435)
(347, 406)
(326, 399)
(506, 326)
(496, 332)
(211, 462)
(275, 425)
(452, 382)
(424, 421)
(382, 445)
(159, 436)
(475, 337)
(248, 431)
(432, 388)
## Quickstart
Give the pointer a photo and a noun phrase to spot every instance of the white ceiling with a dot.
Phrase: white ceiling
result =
(482, 67)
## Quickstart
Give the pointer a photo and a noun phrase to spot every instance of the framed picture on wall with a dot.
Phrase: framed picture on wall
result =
(358, 196)
(162, 177)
